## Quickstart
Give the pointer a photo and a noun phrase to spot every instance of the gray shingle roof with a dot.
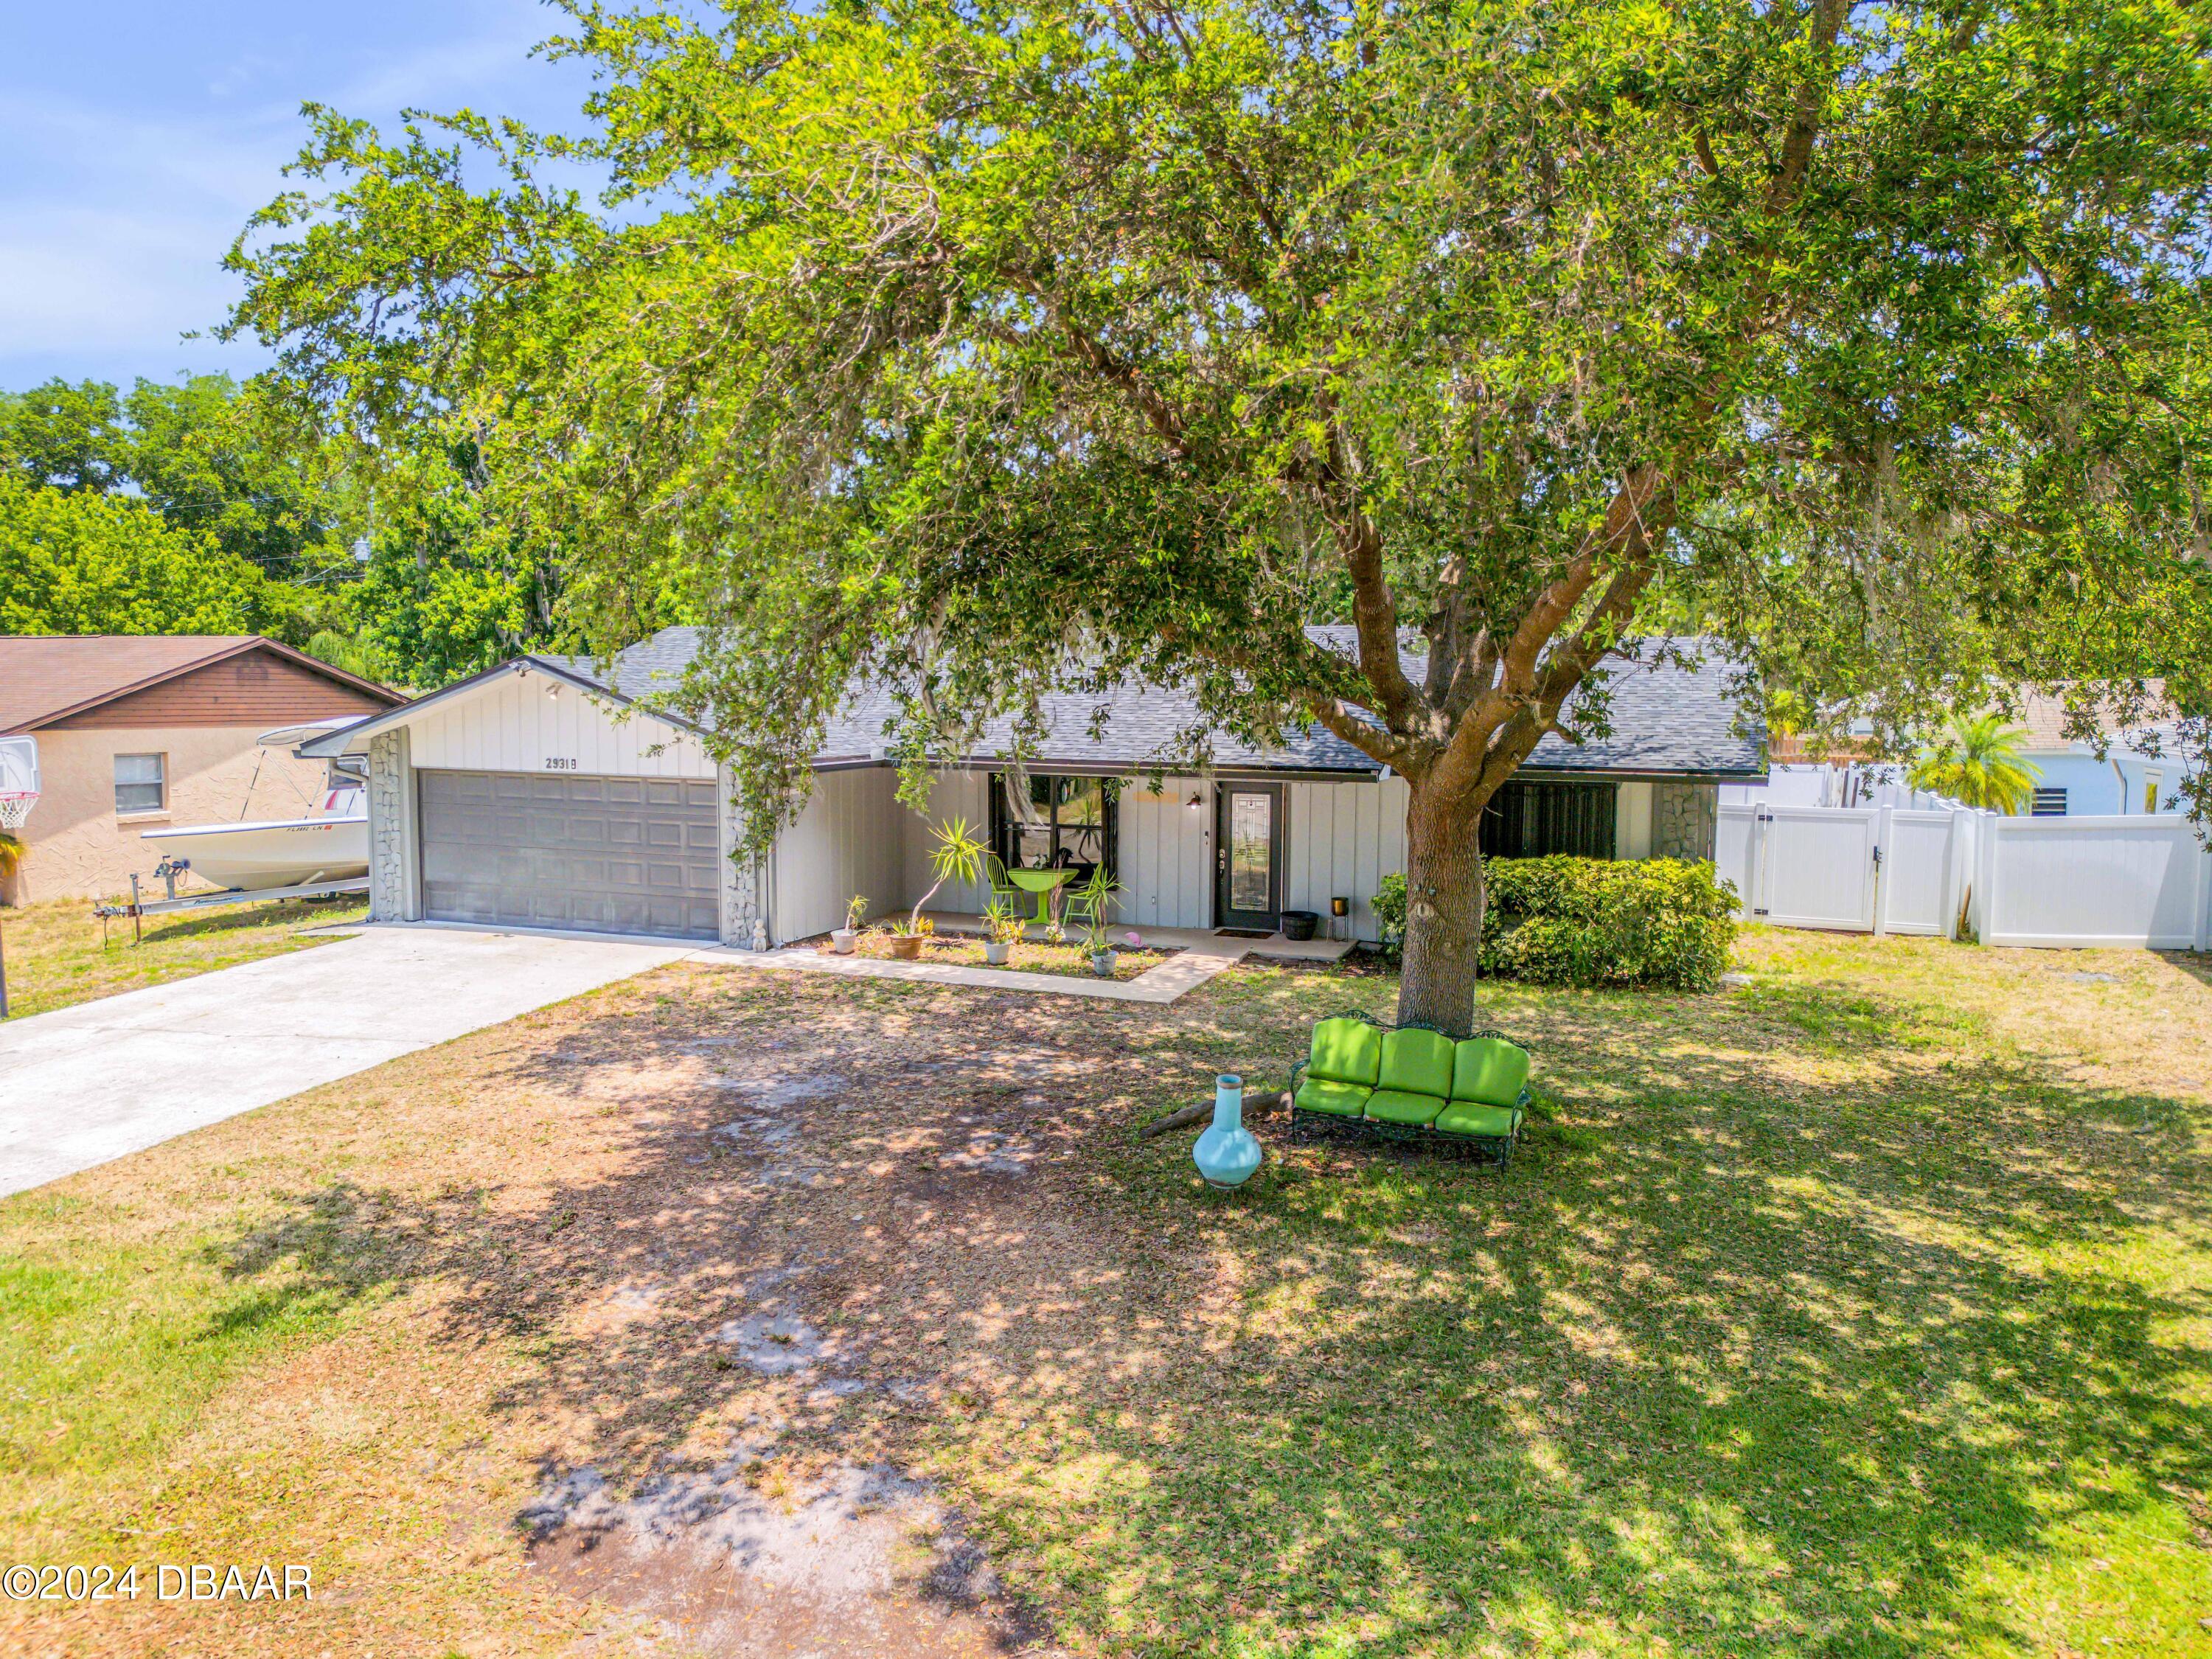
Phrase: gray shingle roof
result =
(1665, 719)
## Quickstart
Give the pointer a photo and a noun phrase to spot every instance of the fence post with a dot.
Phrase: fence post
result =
(1883, 845)
(2204, 897)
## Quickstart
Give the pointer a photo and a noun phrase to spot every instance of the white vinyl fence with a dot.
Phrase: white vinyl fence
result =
(2057, 881)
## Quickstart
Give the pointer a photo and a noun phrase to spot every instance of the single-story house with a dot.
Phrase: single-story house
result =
(2072, 780)
(140, 732)
(538, 794)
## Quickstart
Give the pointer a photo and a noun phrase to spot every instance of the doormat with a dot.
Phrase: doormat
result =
(1242, 933)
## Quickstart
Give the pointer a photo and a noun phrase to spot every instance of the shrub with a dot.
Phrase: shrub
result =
(1659, 922)
(1390, 915)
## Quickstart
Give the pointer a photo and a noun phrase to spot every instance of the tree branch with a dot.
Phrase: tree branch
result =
(1804, 127)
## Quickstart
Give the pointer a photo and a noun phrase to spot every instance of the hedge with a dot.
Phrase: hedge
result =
(1666, 923)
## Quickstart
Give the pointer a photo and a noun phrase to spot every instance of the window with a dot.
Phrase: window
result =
(141, 784)
(1057, 821)
(2151, 782)
(2048, 803)
(1530, 820)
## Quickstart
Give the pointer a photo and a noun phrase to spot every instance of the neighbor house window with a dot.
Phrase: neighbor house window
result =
(1055, 821)
(2151, 782)
(141, 783)
(2048, 803)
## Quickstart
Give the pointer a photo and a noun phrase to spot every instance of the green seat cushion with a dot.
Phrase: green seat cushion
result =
(1463, 1118)
(1416, 1062)
(1319, 1094)
(1398, 1106)
(1489, 1071)
(1345, 1051)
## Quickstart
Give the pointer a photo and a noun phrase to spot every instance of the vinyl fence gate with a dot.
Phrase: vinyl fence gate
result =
(1860, 869)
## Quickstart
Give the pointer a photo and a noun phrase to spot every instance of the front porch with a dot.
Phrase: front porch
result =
(1297, 844)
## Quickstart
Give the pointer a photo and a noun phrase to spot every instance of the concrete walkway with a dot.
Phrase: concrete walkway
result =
(84, 1084)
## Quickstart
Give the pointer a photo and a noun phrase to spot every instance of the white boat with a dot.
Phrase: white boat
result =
(331, 844)
(328, 843)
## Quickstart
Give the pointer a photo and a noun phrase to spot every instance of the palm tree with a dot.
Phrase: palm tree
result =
(1976, 759)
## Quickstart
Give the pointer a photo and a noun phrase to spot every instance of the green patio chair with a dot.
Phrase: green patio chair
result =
(1002, 886)
(1340, 1070)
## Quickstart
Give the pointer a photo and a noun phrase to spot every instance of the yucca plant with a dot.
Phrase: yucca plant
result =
(1976, 759)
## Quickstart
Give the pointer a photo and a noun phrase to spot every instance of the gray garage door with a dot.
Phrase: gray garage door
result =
(611, 856)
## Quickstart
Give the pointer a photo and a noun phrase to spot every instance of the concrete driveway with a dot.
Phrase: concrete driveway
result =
(84, 1084)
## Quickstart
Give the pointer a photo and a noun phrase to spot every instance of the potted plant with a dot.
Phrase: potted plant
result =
(1093, 900)
(956, 856)
(1002, 926)
(844, 938)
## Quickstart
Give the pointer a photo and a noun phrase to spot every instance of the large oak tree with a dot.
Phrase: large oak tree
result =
(992, 349)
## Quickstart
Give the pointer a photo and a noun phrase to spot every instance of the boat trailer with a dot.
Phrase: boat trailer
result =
(137, 907)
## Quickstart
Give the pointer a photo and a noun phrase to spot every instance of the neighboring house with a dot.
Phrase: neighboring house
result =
(140, 732)
(2072, 780)
(534, 794)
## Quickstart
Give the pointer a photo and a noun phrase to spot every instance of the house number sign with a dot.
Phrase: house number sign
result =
(560, 762)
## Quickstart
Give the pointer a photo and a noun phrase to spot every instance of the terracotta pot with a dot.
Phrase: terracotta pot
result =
(906, 946)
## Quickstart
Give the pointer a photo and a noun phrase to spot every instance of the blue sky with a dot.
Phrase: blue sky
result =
(136, 136)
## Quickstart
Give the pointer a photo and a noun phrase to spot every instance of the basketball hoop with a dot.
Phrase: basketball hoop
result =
(19, 781)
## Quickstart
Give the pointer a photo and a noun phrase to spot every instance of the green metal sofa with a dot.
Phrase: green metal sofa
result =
(1408, 1083)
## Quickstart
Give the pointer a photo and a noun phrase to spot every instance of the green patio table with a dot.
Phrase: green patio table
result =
(1042, 883)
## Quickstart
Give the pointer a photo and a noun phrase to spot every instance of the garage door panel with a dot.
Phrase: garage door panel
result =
(588, 853)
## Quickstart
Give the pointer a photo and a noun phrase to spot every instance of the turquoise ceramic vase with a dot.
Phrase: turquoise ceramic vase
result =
(1226, 1154)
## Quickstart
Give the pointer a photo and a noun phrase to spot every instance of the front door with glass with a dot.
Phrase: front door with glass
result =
(1247, 856)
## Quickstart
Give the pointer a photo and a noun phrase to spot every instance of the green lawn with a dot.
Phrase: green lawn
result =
(59, 953)
(1865, 1311)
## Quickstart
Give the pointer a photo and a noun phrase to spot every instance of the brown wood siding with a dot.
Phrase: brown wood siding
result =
(257, 688)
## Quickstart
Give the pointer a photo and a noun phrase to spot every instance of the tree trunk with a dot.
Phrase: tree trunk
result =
(1444, 907)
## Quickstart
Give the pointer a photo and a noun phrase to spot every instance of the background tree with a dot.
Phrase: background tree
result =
(88, 564)
(199, 454)
(64, 437)
(991, 349)
(1976, 759)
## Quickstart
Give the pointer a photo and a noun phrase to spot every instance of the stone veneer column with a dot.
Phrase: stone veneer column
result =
(1685, 819)
(741, 881)
(391, 830)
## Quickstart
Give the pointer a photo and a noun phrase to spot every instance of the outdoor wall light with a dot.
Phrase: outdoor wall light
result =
(1193, 803)
(553, 689)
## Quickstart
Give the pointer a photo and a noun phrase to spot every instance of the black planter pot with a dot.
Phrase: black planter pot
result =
(1300, 924)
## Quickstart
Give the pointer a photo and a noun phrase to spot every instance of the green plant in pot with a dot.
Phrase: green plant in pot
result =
(1002, 931)
(1094, 901)
(856, 911)
(955, 854)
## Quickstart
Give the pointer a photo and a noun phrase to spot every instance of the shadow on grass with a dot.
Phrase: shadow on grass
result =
(1799, 1314)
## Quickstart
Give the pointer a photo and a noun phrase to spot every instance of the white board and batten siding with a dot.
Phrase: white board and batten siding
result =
(1166, 855)
(849, 840)
(514, 726)
(952, 795)
(1339, 839)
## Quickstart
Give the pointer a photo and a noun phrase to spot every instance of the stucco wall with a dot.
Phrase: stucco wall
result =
(79, 848)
